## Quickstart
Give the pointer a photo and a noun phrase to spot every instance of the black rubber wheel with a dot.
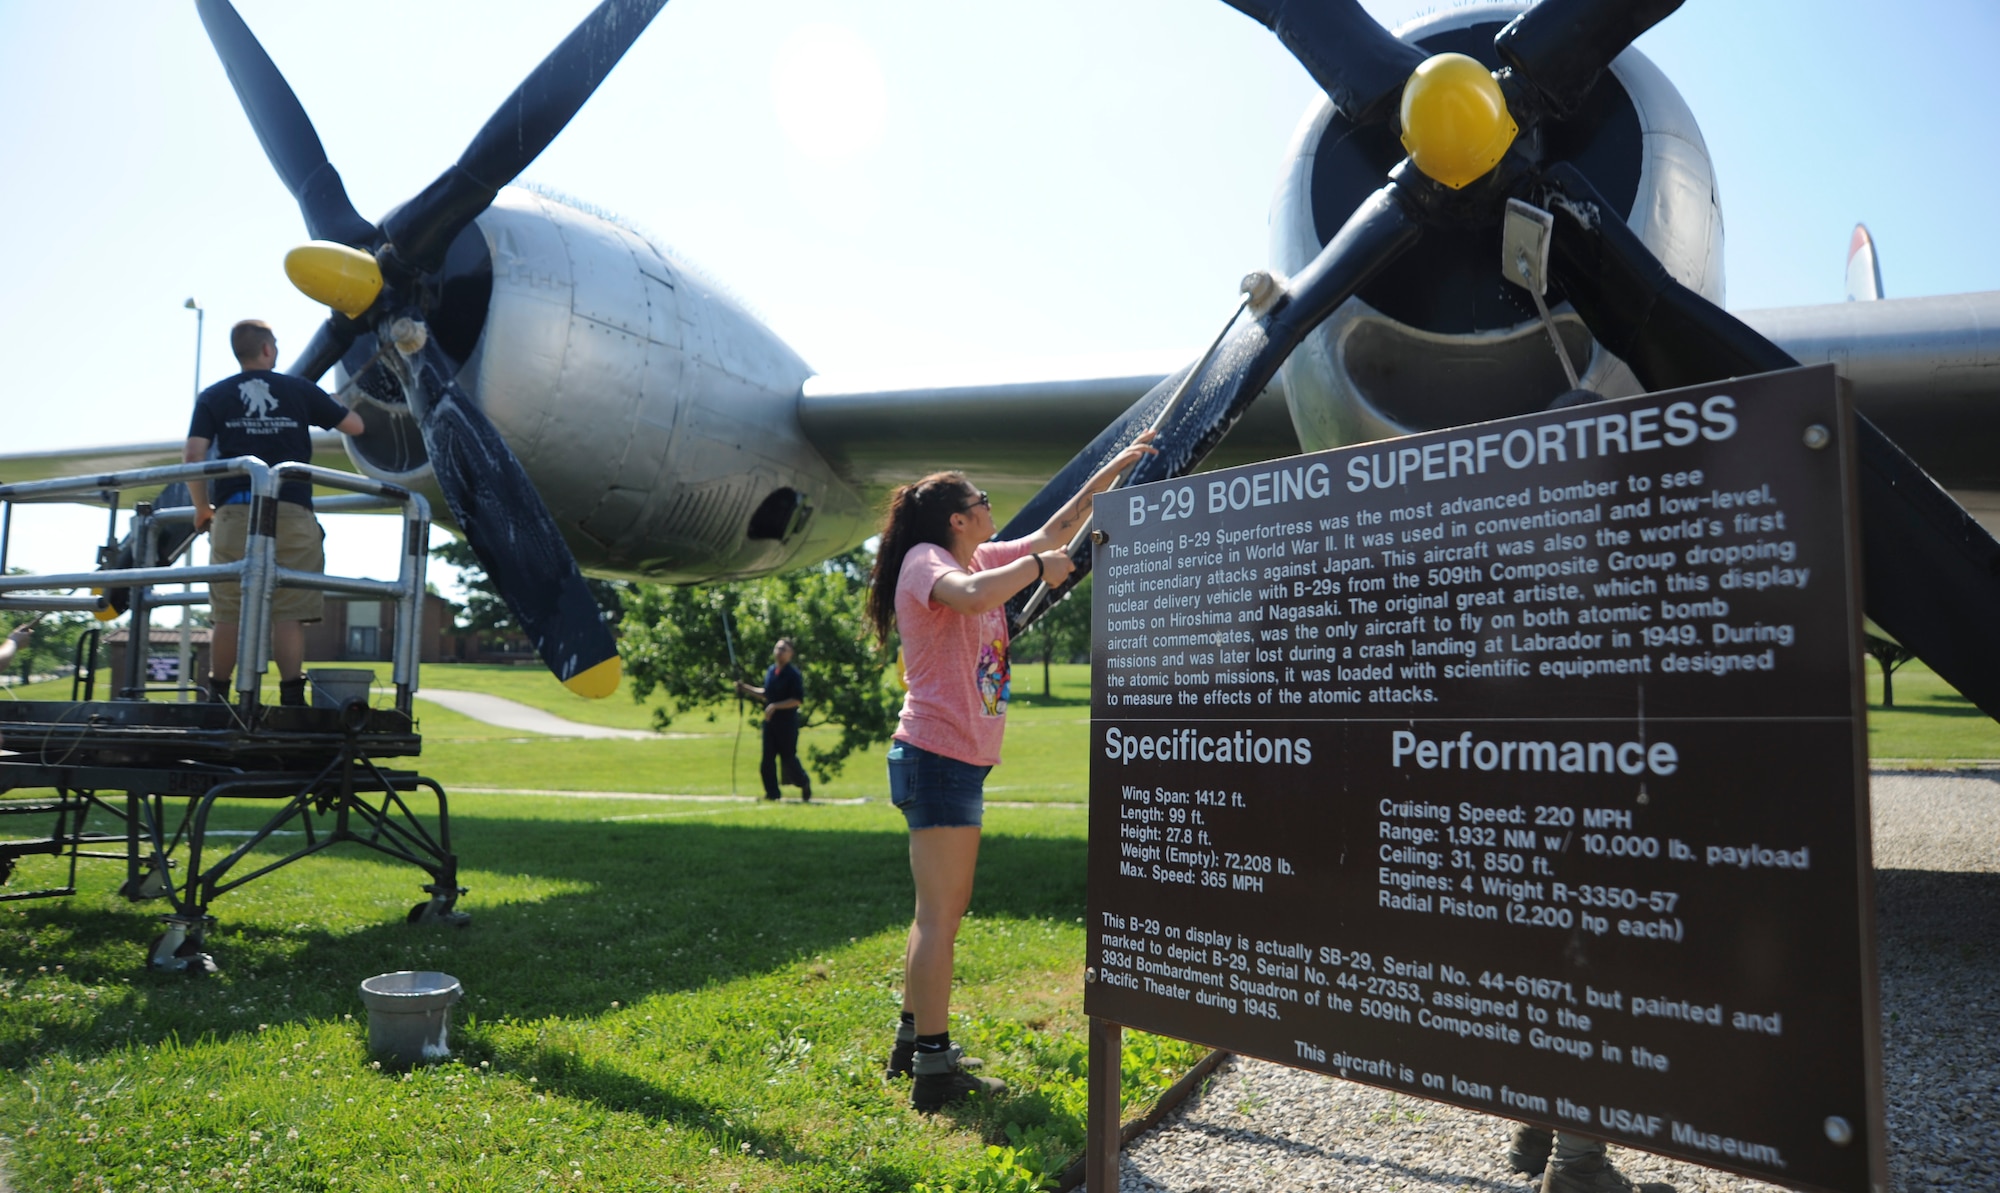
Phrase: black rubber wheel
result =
(416, 915)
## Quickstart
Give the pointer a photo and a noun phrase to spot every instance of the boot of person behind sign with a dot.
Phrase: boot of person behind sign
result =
(1528, 1149)
(1579, 1165)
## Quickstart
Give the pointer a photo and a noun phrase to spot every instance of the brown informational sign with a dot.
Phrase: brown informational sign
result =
(1519, 766)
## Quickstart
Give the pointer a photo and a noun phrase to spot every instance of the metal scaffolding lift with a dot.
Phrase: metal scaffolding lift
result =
(155, 771)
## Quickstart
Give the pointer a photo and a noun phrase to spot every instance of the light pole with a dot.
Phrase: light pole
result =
(187, 611)
(194, 306)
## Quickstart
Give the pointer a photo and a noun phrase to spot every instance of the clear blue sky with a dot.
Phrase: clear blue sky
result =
(1049, 178)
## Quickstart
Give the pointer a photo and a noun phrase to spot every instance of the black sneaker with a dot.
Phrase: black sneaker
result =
(292, 693)
(1528, 1149)
(1594, 1174)
(939, 1081)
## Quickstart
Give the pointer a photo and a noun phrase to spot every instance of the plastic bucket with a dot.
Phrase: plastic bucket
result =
(338, 687)
(409, 1014)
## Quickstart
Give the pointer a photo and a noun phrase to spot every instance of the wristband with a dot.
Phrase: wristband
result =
(1041, 569)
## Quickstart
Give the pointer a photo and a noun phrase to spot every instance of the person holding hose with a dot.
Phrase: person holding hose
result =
(783, 693)
(942, 586)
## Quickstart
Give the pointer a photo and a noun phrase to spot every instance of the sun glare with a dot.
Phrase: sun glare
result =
(829, 94)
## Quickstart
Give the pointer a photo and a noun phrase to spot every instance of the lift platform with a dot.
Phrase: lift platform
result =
(140, 780)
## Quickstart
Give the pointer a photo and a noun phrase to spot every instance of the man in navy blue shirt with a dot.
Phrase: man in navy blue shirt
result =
(267, 414)
(783, 692)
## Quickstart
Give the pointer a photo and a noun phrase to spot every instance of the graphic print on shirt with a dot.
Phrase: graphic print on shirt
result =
(261, 414)
(995, 677)
(258, 400)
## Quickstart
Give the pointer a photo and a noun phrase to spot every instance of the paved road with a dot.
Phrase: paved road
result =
(512, 714)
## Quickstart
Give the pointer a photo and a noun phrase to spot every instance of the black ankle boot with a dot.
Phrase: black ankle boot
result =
(940, 1079)
(218, 690)
(292, 692)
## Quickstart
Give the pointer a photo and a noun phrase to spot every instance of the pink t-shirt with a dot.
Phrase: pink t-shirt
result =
(955, 665)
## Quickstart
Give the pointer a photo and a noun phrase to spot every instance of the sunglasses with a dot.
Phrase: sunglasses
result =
(975, 503)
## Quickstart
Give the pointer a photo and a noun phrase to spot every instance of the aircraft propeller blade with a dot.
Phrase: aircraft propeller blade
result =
(423, 228)
(328, 345)
(495, 504)
(1668, 334)
(284, 129)
(1930, 571)
(1379, 231)
(1360, 65)
(1559, 47)
(502, 516)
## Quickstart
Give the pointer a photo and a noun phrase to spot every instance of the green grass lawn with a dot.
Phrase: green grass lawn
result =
(1047, 738)
(1044, 758)
(1931, 722)
(1042, 761)
(659, 995)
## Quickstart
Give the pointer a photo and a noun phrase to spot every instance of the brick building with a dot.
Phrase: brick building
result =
(363, 630)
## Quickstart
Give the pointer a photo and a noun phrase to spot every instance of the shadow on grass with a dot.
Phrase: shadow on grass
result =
(669, 907)
(1943, 704)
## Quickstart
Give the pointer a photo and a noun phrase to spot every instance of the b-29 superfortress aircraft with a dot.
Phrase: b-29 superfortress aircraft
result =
(576, 397)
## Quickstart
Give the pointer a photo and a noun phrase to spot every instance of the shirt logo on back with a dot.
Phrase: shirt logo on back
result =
(258, 400)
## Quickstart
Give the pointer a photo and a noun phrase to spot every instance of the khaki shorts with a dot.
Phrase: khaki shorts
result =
(301, 547)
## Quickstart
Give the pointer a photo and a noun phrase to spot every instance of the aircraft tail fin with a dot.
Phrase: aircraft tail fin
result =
(1864, 268)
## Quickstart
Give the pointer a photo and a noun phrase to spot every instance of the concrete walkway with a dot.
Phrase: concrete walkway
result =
(512, 714)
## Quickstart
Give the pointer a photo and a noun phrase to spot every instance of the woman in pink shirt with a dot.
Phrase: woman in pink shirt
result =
(942, 585)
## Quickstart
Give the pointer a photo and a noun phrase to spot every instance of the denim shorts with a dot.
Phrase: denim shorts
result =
(933, 791)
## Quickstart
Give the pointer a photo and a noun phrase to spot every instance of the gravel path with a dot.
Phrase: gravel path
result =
(1259, 1126)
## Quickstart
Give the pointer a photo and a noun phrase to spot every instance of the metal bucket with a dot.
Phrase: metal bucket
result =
(337, 687)
(409, 1015)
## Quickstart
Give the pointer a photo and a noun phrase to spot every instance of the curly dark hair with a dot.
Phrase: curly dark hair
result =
(917, 513)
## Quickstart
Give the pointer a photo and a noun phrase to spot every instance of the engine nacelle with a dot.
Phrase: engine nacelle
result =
(657, 418)
(1441, 339)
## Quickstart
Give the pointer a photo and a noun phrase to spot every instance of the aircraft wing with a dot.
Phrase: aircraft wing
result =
(1008, 436)
(329, 451)
(1925, 370)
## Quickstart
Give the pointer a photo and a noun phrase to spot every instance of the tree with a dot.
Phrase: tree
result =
(487, 610)
(1061, 633)
(673, 639)
(1891, 655)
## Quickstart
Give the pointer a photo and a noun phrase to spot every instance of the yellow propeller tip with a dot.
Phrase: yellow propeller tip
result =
(343, 278)
(595, 683)
(1456, 126)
